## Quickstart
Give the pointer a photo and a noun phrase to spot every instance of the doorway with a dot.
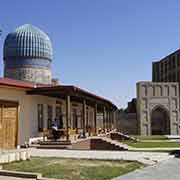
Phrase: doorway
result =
(8, 124)
(160, 122)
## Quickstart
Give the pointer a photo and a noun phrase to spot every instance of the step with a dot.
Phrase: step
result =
(55, 143)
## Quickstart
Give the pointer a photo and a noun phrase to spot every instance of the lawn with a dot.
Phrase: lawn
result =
(153, 137)
(165, 144)
(74, 169)
(152, 142)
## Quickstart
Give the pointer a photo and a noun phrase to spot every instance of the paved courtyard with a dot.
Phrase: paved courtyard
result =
(166, 170)
(148, 158)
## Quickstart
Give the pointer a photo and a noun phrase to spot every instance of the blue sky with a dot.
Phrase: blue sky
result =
(105, 46)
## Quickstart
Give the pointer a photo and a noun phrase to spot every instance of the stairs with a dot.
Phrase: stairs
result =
(116, 143)
(120, 136)
(99, 143)
(91, 143)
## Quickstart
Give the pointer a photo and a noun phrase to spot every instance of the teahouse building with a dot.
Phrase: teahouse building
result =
(30, 100)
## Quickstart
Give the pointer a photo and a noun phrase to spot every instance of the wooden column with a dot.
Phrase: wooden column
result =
(114, 119)
(110, 120)
(104, 118)
(68, 115)
(84, 118)
(108, 123)
(95, 118)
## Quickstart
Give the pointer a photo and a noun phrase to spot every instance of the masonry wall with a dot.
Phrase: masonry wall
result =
(127, 123)
(149, 96)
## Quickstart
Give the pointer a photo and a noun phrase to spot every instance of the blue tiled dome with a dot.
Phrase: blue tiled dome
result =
(28, 55)
(27, 41)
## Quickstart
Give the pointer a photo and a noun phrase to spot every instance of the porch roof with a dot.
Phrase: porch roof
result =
(76, 93)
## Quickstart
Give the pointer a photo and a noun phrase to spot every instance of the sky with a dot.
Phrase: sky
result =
(104, 46)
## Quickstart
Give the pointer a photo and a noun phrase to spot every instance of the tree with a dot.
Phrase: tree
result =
(0, 31)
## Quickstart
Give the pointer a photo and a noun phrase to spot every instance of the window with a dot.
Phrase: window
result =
(40, 117)
(178, 59)
(173, 62)
(174, 77)
(166, 67)
(178, 76)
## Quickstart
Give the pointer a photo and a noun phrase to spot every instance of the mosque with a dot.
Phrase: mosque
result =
(30, 98)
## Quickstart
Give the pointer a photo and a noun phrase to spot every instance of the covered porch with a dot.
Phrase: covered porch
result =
(85, 114)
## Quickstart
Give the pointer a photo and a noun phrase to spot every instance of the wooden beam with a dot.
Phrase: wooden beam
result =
(65, 92)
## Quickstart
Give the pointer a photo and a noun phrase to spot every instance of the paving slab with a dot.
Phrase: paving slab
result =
(166, 170)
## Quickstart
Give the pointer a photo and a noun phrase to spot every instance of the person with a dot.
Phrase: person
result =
(60, 122)
(55, 129)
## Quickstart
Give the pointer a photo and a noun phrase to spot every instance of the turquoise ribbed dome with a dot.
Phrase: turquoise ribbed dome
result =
(27, 41)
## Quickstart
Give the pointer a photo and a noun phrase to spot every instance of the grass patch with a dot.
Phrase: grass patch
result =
(154, 137)
(165, 144)
(74, 169)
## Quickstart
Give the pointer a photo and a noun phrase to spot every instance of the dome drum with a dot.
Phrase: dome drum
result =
(40, 76)
(31, 63)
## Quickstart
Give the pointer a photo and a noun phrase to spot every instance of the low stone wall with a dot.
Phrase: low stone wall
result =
(14, 155)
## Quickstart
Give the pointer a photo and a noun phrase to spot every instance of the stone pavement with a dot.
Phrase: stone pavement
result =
(166, 170)
(148, 158)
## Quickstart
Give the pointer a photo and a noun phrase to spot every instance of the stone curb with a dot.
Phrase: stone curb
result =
(21, 174)
(27, 175)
